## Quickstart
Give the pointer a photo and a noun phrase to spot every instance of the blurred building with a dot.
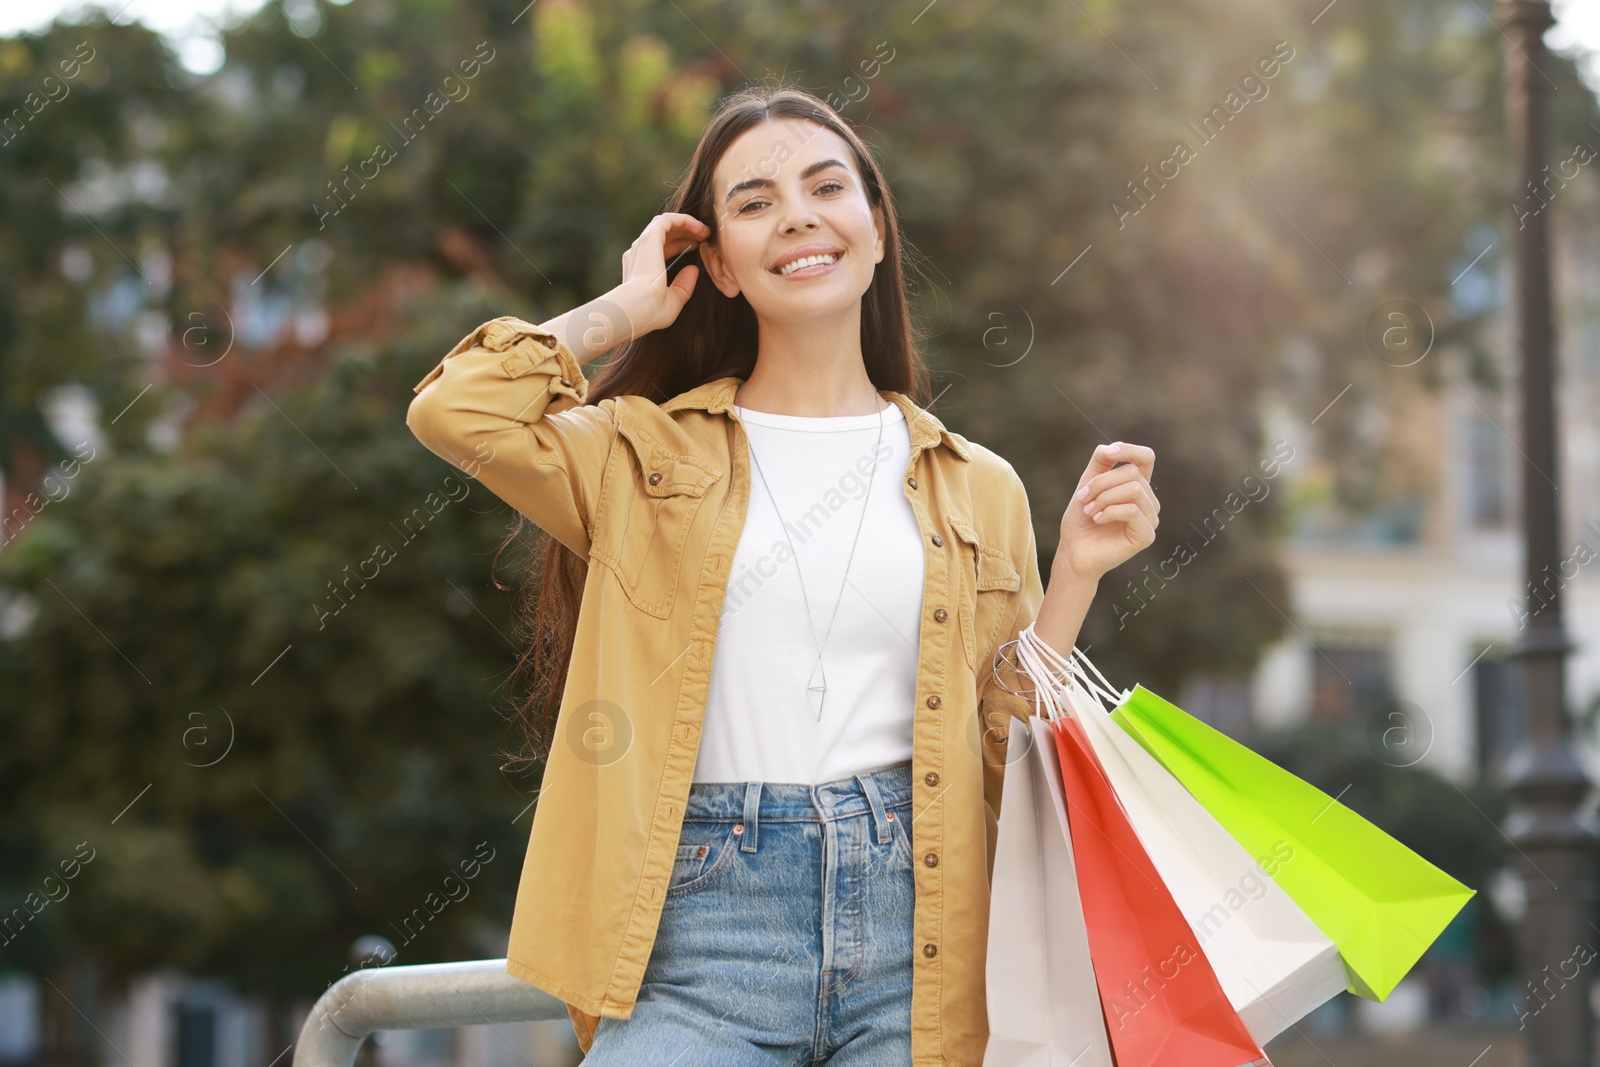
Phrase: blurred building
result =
(1403, 616)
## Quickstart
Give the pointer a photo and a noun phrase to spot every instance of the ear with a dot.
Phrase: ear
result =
(717, 270)
(877, 230)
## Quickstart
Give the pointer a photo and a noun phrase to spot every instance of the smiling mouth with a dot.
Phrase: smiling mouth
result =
(812, 263)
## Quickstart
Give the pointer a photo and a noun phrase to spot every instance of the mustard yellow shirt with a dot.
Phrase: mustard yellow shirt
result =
(654, 496)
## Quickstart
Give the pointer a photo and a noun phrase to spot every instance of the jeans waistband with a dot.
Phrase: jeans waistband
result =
(755, 802)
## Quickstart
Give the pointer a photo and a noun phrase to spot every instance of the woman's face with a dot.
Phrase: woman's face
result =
(783, 187)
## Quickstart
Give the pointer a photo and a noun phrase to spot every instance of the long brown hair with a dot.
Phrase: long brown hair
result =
(712, 337)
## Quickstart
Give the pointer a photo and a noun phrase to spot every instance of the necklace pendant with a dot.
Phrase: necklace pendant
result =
(817, 688)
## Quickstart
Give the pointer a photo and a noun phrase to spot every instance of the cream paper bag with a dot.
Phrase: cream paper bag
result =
(1044, 1006)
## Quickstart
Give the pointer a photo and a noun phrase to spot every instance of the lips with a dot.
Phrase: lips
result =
(820, 267)
(804, 252)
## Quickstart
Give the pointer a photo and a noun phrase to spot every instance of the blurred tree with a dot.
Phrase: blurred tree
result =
(235, 689)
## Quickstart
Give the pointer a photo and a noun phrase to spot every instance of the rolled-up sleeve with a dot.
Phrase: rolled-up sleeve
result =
(507, 406)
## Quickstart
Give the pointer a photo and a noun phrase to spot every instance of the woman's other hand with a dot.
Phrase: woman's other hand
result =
(1114, 513)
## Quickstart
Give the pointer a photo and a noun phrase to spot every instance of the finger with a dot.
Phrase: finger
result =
(1129, 492)
(1148, 504)
(1140, 456)
(666, 225)
(1135, 491)
(653, 246)
(684, 233)
(683, 284)
(1140, 530)
(1129, 514)
(1102, 460)
(679, 217)
(677, 246)
(1107, 456)
(677, 224)
(1117, 475)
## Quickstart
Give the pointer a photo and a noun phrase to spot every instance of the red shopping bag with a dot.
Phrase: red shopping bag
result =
(1162, 1002)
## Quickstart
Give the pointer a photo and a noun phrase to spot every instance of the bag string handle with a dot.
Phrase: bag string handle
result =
(1053, 674)
(1040, 662)
(1058, 673)
(1105, 689)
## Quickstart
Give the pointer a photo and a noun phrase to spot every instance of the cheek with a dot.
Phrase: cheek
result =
(742, 256)
(855, 222)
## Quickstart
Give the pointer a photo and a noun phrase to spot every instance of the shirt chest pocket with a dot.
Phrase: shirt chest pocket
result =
(649, 498)
(987, 575)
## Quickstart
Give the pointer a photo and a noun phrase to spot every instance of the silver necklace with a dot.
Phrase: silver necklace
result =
(818, 683)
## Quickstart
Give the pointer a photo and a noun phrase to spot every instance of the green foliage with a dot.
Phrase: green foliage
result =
(188, 637)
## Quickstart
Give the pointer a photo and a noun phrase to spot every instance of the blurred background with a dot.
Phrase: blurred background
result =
(232, 238)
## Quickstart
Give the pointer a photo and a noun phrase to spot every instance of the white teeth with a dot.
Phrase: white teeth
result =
(807, 261)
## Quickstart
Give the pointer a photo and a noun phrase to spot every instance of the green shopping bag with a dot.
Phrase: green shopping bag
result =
(1378, 901)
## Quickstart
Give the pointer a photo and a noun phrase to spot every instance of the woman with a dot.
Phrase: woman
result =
(772, 604)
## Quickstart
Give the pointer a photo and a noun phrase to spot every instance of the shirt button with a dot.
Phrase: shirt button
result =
(939, 614)
(929, 949)
(655, 477)
(934, 701)
(931, 859)
(912, 482)
(566, 383)
(937, 540)
(932, 778)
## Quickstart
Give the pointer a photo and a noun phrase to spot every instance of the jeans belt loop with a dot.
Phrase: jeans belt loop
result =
(752, 807)
(881, 824)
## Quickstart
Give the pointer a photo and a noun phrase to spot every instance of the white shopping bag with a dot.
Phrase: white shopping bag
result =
(1044, 1005)
(1273, 963)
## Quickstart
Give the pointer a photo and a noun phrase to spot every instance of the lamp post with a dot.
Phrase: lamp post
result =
(1549, 789)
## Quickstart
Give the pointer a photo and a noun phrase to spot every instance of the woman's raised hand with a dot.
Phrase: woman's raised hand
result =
(1114, 513)
(650, 303)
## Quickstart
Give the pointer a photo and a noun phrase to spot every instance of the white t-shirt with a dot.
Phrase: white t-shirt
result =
(761, 723)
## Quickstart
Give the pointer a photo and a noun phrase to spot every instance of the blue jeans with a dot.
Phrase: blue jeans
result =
(785, 936)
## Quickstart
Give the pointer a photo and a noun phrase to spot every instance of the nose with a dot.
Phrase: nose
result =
(800, 217)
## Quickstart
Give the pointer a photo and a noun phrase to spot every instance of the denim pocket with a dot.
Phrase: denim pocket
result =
(704, 851)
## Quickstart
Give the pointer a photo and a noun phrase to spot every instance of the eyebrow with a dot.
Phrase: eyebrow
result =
(767, 183)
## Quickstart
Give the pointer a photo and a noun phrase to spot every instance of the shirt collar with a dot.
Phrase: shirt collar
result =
(926, 430)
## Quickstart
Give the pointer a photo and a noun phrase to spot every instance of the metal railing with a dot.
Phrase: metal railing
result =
(412, 998)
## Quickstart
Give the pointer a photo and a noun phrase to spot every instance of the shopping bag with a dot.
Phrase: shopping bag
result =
(1272, 961)
(1379, 902)
(1162, 1001)
(1043, 1004)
